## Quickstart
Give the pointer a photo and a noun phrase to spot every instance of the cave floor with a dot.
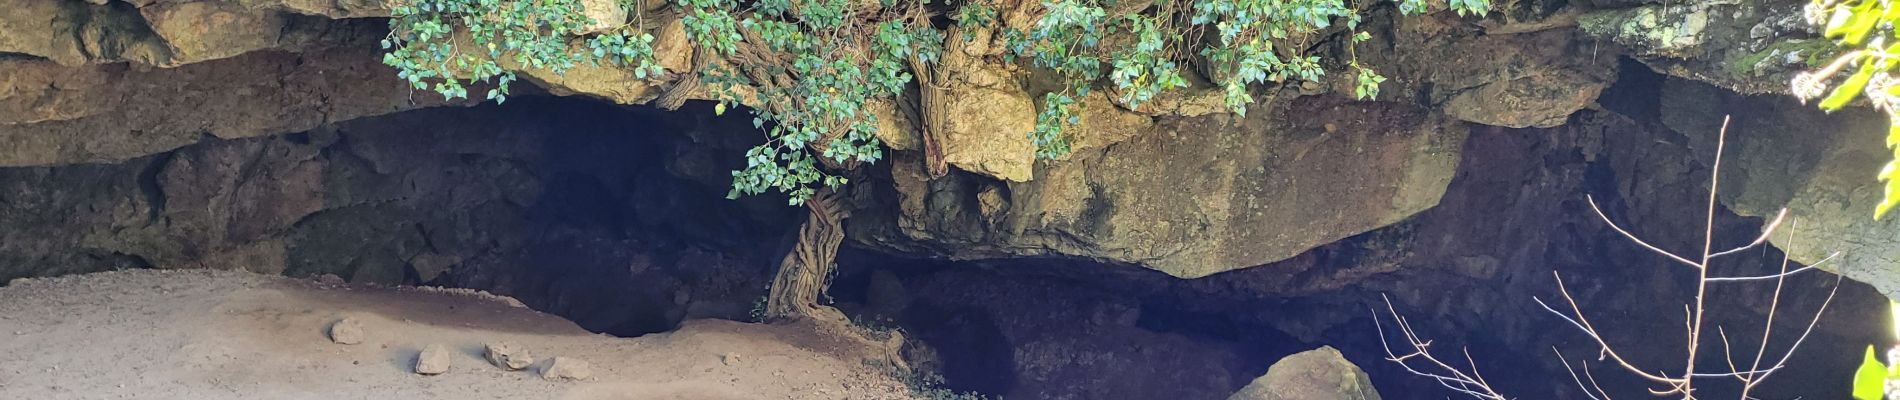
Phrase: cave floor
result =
(149, 334)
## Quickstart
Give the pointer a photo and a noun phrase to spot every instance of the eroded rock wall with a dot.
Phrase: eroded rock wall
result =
(115, 80)
(1229, 192)
(1818, 166)
(1467, 273)
(576, 207)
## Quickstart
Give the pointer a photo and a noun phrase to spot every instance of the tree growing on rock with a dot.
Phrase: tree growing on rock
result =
(822, 78)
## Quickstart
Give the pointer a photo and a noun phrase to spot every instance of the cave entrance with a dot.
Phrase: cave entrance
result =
(617, 218)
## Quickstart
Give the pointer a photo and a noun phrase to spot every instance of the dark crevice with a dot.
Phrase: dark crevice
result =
(149, 186)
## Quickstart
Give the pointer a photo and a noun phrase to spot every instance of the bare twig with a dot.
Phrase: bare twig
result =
(1632, 237)
(1469, 383)
(1696, 311)
(1759, 367)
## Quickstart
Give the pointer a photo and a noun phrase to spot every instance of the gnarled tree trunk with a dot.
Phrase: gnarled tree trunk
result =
(806, 271)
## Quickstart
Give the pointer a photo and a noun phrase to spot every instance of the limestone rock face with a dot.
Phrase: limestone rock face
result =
(1319, 374)
(1819, 166)
(1177, 184)
(609, 82)
(1191, 197)
(76, 32)
(1750, 46)
(171, 33)
(52, 114)
(212, 30)
(988, 133)
(605, 14)
(458, 197)
(1651, 29)
(1536, 78)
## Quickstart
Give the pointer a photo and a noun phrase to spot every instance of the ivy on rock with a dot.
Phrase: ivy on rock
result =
(810, 70)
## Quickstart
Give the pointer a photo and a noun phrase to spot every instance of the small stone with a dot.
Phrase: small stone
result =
(330, 279)
(729, 358)
(346, 331)
(567, 369)
(508, 356)
(434, 360)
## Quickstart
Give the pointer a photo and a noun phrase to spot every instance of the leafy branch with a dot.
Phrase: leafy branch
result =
(809, 70)
(1867, 28)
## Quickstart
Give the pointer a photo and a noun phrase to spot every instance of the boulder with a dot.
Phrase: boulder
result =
(986, 131)
(508, 356)
(204, 30)
(434, 360)
(567, 369)
(346, 331)
(1319, 374)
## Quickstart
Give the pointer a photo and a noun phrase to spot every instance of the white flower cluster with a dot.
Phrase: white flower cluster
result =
(1878, 91)
(1808, 86)
(1816, 12)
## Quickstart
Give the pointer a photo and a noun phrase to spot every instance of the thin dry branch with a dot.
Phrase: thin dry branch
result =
(1632, 237)
(1469, 383)
(1604, 347)
(1766, 231)
(1594, 390)
(1696, 311)
(1681, 384)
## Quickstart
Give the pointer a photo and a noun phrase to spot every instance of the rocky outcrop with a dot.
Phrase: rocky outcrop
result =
(1466, 272)
(1749, 46)
(987, 133)
(1318, 374)
(452, 196)
(1534, 73)
(1818, 166)
(171, 33)
(124, 79)
(1231, 193)
(116, 80)
(52, 115)
(106, 81)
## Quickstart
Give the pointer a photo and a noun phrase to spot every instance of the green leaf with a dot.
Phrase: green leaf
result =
(1893, 134)
(719, 109)
(1870, 381)
(1850, 88)
(1853, 29)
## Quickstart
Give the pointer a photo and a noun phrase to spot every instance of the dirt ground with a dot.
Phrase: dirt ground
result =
(147, 334)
